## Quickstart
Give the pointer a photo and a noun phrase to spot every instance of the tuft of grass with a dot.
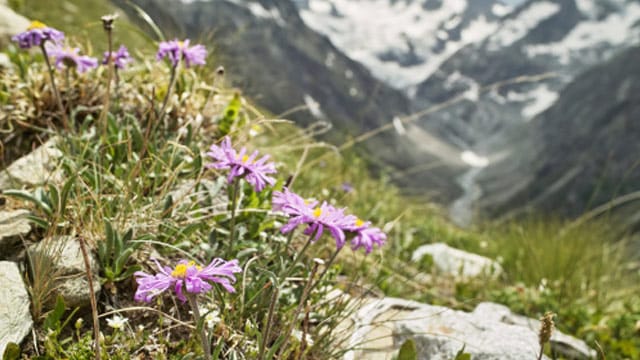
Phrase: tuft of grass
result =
(585, 260)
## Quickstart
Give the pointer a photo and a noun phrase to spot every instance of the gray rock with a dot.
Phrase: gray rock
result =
(378, 327)
(457, 263)
(36, 168)
(381, 326)
(13, 225)
(15, 315)
(563, 344)
(68, 268)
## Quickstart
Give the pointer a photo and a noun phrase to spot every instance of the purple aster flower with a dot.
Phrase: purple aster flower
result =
(36, 34)
(365, 236)
(186, 276)
(176, 50)
(291, 203)
(346, 187)
(69, 57)
(317, 218)
(242, 165)
(120, 58)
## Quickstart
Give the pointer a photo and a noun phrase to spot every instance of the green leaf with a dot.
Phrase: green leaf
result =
(275, 347)
(127, 237)
(52, 321)
(109, 238)
(128, 273)
(122, 260)
(29, 197)
(230, 115)
(66, 189)
(39, 221)
(11, 352)
(461, 355)
(54, 197)
(408, 351)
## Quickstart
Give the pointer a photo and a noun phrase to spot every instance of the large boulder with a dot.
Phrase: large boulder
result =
(68, 268)
(381, 326)
(13, 225)
(563, 344)
(15, 315)
(457, 263)
(36, 168)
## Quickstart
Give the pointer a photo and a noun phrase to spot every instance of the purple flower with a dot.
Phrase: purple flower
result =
(317, 218)
(291, 203)
(36, 34)
(346, 187)
(242, 165)
(186, 276)
(176, 50)
(69, 57)
(120, 58)
(365, 236)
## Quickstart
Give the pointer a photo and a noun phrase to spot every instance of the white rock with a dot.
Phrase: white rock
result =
(381, 326)
(561, 343)
(71, 280)
(378, 327)
(457, 263)
(11, 23)
(36, 168)
(13, 225)
(5, 62)
(15, 315)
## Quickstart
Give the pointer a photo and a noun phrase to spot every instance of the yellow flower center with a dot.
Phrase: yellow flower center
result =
(359, 222)
(245, 158)
(35, 24)
(317, 212)
(181, 269)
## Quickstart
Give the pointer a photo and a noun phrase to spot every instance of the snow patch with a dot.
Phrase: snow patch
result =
(398, 126)
(366, 30)
(537, 100)
(501, 10)
(515, 29)
(473, 159)
(259, 11)
(616, 29)
(313, 106)
(541, 98)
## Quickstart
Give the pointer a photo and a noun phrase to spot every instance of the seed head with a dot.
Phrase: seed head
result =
(546, 327)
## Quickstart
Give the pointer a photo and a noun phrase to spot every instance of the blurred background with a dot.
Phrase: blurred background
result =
(492, 108)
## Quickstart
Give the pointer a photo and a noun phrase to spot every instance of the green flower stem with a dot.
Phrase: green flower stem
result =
(65, 122)
(303, 300)
(327, 267)
(172, 82)
(92, 298)
(267, 327)
(234, 204)
(206, 346)
(110, 66)
(295, 261)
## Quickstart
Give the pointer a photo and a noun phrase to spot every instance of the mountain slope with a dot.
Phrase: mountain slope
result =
(581, 152)
(282, 64)
(560, 38)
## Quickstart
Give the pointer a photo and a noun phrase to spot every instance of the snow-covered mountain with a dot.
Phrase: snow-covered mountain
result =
(556, 38)
(363, 64)
(402, 42)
